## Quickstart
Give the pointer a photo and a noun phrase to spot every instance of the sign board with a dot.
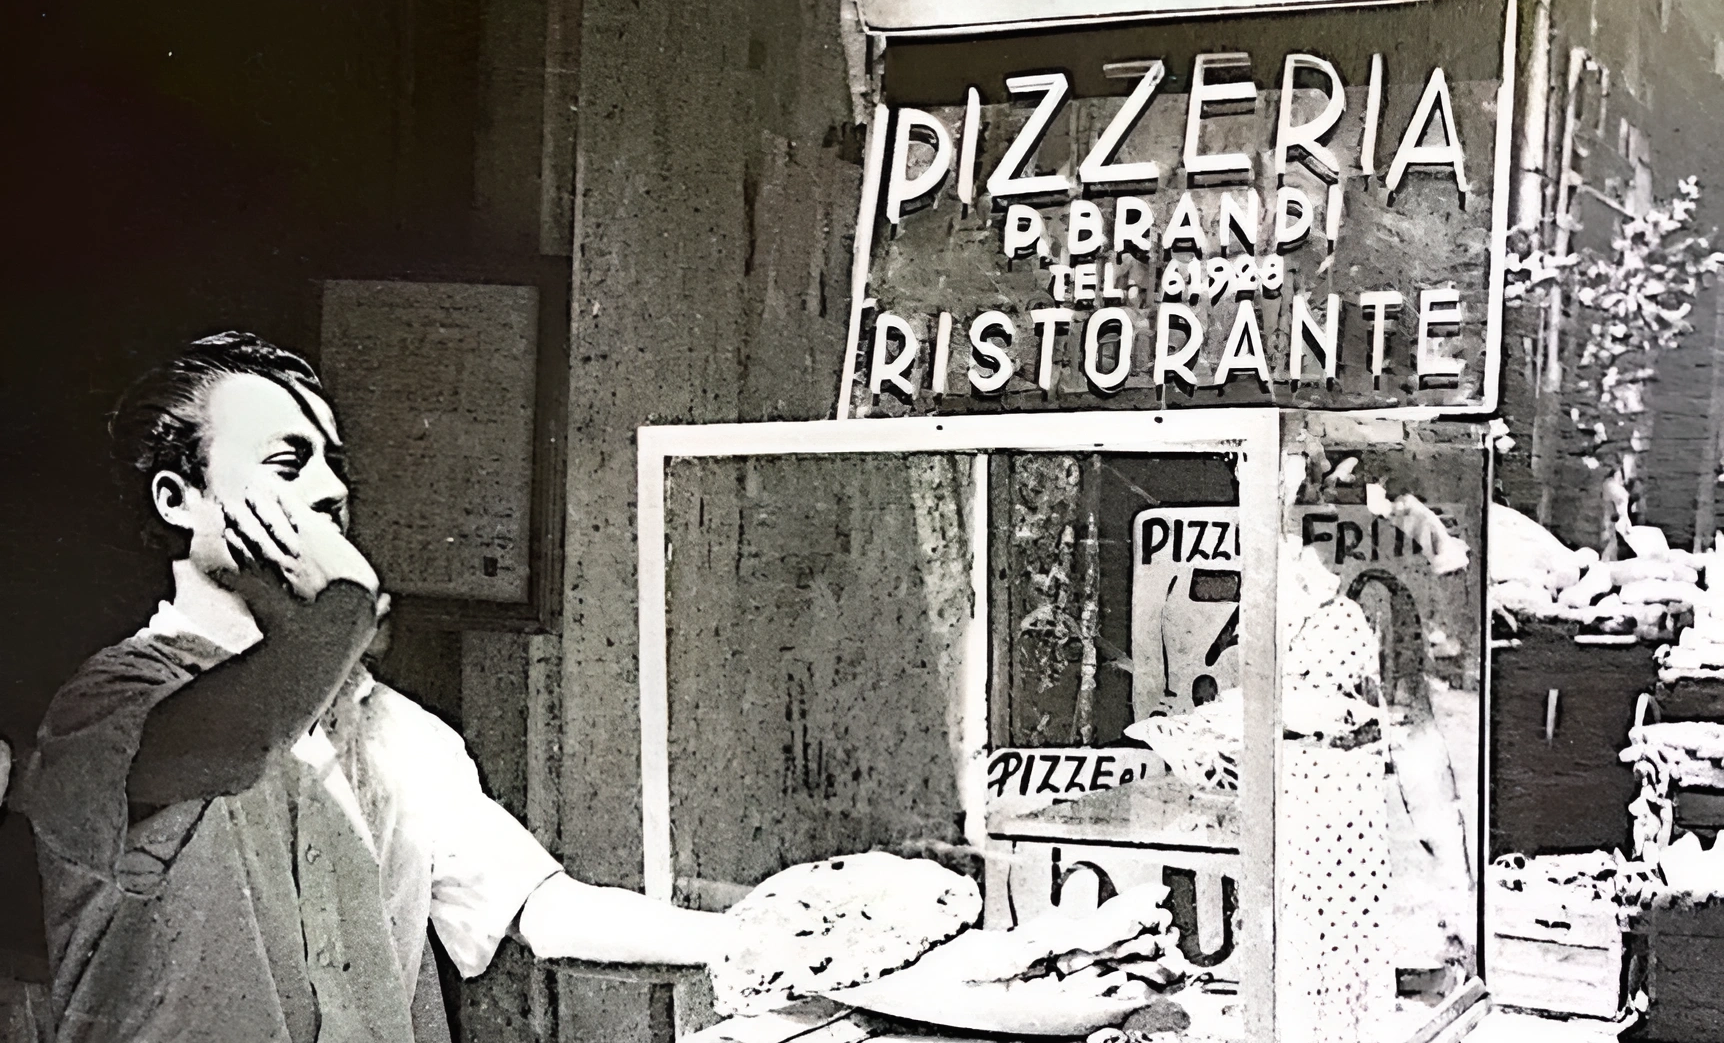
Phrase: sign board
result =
(1242, 229)
(1418, 612)
(947, 17)
(1024, 780)
(1074, 879)
(1185, 587)
(434, 383)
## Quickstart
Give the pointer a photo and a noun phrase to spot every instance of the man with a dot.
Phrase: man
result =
(243, 836)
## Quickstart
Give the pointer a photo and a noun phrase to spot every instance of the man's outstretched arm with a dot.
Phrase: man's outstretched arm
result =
(567, 919)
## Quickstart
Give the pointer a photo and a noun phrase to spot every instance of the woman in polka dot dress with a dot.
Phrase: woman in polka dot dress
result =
(1337, 978)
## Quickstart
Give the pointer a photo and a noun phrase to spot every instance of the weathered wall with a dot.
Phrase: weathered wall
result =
(1683, 90)
(1643, 111)
(716, 179)
(814, 667)
(718, 171)
(504, 690)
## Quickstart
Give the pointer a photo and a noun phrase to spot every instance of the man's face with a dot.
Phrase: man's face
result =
(262, 440)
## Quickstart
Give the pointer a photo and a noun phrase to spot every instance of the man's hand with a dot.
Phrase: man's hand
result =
(281, 546)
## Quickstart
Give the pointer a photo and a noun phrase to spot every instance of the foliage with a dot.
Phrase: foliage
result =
(1630, 306)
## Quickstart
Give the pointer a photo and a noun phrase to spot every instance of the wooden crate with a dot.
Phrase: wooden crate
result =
(1699, 811)
(1565, 958)
(1684, 974)
(1691, 699)
(1570, 793)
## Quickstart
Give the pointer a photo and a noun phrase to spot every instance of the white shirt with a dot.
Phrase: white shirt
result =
(448, 854)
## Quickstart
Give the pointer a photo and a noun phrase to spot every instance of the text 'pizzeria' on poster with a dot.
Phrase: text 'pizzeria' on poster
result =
(1247, 230)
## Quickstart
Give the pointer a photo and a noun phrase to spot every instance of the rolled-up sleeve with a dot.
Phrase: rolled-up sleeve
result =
(73, 790)
(485, 863)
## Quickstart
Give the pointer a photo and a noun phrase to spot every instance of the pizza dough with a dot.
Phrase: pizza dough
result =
(823, 926)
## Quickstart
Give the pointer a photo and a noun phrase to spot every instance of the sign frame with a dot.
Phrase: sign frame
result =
(875, 154)
(937, 18)
(538, 611)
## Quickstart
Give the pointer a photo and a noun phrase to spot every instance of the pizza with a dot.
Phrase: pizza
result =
(1057, 975)
(1130, 937)
(826, 926)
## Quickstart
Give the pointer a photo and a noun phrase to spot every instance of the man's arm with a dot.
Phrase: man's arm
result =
(314, 597)
(567, 919)
(492, 878)
(211, 737)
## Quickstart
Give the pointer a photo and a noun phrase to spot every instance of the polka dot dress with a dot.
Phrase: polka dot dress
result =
(1334, 957)
(1334, 960)
(1332, 665)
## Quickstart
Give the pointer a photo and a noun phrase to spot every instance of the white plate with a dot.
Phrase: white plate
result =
(993, 1007)
(937, 990)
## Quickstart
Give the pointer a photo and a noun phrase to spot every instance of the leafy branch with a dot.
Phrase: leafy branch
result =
(1631, 305)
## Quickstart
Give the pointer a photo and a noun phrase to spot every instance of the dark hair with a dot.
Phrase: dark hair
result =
(159, 422)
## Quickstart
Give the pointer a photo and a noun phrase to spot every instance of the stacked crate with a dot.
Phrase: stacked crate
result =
(1699, 809)
(1684, 945)
(1556, 782)
(1554, 946)
(1682, 936)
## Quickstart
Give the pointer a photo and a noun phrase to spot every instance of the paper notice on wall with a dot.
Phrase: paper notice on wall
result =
(434, 387)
